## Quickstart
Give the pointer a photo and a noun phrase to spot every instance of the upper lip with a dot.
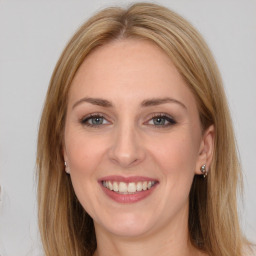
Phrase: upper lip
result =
(119, 178)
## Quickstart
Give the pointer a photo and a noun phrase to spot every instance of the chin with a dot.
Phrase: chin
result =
(128, 231)
(127, 225)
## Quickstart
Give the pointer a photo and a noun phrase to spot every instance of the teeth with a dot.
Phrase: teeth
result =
(126, 188)
(139, 186)
(144, 185)
(123, 187)
(131, 187)
(110, 186)
(115, 186)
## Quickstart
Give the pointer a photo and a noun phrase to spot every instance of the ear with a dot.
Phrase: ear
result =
(64, 154)
(206, 149)
(65, 159)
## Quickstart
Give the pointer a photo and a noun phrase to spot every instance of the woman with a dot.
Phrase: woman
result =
(136, 151)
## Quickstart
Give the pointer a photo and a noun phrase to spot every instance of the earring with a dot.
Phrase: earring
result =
(66, 167)
(203, 170)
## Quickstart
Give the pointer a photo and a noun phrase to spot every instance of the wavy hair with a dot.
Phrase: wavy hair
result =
(65, 228)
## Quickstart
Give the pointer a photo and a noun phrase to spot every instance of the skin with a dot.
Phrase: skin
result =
(130, 143)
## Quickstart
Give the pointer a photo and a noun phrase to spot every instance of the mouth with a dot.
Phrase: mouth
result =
(128, 190)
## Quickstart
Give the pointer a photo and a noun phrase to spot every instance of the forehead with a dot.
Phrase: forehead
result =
(128, 69)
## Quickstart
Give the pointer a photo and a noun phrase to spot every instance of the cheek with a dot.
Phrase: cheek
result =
(83, 152)
(177, 154)
(177, 161)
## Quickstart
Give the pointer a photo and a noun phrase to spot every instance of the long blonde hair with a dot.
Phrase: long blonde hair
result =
(66, 229)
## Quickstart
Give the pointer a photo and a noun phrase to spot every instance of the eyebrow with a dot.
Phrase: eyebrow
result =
(145, 103)
(159, 101)
(94, 101)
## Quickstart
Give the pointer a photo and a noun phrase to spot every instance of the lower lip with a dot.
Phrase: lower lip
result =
(128, 198)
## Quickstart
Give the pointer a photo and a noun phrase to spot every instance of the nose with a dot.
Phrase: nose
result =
(127, 147)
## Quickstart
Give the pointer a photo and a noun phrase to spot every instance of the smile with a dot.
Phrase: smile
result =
(128, 188)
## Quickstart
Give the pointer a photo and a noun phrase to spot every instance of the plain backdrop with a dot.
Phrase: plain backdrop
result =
(32, 36)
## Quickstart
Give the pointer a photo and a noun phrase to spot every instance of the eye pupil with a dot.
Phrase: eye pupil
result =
(159, 121)
(97, 120)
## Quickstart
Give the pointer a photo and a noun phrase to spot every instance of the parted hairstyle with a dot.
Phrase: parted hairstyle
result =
(65, 227)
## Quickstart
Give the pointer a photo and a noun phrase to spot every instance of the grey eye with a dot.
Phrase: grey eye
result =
(96, 120)
(162, 121)
(159, 121)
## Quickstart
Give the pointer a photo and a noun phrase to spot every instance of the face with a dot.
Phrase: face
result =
(133, 140)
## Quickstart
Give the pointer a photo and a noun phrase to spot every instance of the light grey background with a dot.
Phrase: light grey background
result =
(32, 36)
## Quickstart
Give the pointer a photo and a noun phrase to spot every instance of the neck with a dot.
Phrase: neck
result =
(171, 240)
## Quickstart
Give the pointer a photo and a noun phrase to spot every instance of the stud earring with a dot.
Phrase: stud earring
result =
(66, 167)
(203, 170)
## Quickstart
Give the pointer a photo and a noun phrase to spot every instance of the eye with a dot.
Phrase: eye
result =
(94, 120)
(161, 120)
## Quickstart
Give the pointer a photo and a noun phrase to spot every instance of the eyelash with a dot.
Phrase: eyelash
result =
(85, 120)
(169, 119)
(164, 116)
